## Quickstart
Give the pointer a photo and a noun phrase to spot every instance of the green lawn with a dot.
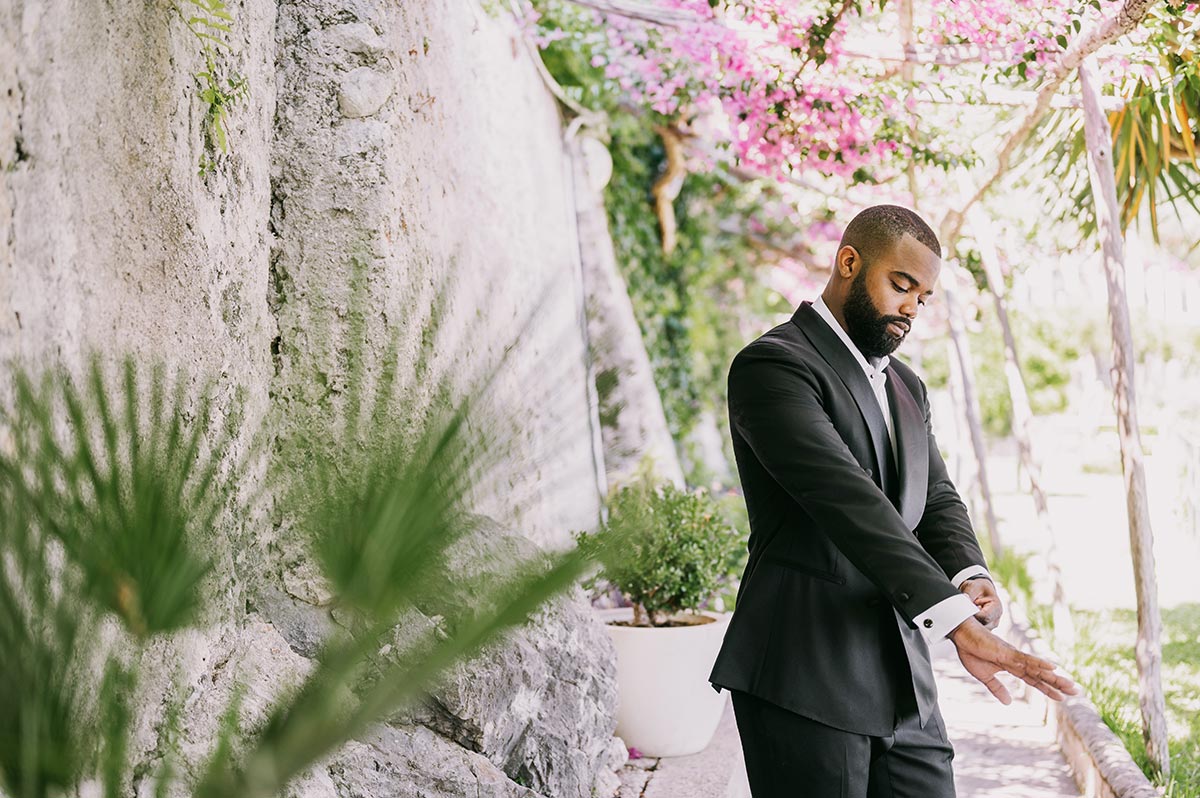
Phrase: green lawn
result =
(1103, 661)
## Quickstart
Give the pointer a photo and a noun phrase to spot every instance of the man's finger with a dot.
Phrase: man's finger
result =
(1029, 663)
(1061, 682)
(1049, 691)
(1040, 683)
(998, 689)
(1048, 681)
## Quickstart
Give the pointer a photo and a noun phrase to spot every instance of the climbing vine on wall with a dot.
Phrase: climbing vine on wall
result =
(683, 299)
(689, 303)
(209, 21)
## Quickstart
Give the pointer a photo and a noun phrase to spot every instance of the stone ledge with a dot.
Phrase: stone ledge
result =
(716, 772)
(1099, 762)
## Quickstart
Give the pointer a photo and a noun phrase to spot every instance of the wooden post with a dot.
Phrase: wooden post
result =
(966, 370)
(961, 365)
(1141, 539)
(1022, 418)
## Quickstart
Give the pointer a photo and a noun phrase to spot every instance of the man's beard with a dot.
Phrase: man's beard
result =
(867, 328)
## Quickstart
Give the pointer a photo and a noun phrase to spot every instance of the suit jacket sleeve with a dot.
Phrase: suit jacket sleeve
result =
(945, 529)
(775, 404)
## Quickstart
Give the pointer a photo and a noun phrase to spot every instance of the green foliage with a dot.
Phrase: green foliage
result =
(1156, 136)
(39, 733)
(127, 489)
(1012, 569)
(935, 366)
(682, 300)
(112, 488)
(108, 485)
(209, 21)
(1047, 346)
(675, 548)
(733, 504)
(569, 59)
(218, 99)
(1105, 665)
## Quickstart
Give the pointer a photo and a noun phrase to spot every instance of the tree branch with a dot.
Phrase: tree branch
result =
(1089, 41)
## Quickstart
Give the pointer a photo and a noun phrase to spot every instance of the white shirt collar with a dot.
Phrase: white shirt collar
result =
(876, 364)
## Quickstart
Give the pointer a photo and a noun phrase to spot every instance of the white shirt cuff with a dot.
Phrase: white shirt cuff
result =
(941, 619)
(968, 572)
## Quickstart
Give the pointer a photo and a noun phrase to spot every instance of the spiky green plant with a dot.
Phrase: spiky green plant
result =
(112, 490)
(108, 482)
(382, 497)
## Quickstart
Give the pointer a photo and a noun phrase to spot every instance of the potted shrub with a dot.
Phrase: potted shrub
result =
(675, 551)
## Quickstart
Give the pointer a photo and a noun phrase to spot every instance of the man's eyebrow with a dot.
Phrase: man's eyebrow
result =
(912, 280)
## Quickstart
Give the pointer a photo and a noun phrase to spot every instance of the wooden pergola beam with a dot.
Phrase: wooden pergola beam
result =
(1108, 30)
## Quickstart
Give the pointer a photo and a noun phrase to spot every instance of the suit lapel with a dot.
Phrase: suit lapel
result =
(913, 446)
(831, 347)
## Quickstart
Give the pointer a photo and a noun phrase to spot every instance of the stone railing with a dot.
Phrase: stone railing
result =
(1099, 762)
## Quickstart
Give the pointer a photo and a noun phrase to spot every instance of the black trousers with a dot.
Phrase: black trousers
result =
(790, 756)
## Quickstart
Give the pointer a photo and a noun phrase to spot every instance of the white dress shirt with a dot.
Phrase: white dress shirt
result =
(948, 613)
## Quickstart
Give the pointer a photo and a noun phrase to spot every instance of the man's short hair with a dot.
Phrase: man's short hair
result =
(876, 229)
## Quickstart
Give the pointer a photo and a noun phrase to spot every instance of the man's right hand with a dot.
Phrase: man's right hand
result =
(984, 655)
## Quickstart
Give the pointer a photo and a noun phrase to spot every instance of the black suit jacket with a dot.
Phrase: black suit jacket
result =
(846, 545)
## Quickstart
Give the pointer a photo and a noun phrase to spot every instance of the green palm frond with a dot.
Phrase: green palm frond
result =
(1156, 136)
(383, 499)
(40, 698)
(113, 489)
(106, 484)
(1154, 145)
(116, 473)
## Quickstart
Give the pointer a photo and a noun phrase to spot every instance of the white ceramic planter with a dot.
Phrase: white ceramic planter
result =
(666, 705)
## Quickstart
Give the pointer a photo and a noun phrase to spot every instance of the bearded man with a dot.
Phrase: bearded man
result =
(861, 552)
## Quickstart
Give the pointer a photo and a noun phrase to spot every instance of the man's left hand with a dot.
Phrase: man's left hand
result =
(983, 593)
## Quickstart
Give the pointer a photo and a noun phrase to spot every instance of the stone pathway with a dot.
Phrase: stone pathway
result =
(1000, 752)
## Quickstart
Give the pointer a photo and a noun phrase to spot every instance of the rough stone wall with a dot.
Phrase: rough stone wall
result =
(410, 140)
(418, 139)
(633, 424)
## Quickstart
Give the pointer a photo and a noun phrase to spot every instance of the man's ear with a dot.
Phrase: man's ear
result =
(848, 262)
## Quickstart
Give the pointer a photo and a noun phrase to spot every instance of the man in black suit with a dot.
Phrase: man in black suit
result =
(861, 552)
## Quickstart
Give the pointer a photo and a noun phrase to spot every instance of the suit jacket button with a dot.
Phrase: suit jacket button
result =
(929, 623)
(870, 473)
(903, 596)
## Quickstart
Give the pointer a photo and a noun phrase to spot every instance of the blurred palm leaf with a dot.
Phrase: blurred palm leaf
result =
(1154, 145)
(111, 487)
(102, 504)
(40, 637)
(383, 498)
(122, 476)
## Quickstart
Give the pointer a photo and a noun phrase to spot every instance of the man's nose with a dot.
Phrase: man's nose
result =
(910, 308)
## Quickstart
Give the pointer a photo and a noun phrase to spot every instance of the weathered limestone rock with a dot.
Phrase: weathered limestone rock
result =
(633, 423)
(542, 703)
(304, 626)
(204, 669)
(442, 193)
(357, 37)
(363, 92)
(393, 762)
